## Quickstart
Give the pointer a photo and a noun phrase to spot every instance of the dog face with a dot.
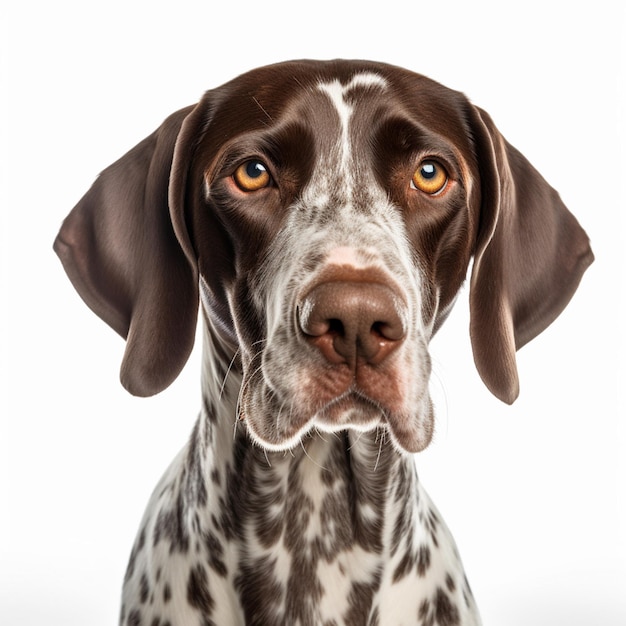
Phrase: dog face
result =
(319, 196)
(326, 214)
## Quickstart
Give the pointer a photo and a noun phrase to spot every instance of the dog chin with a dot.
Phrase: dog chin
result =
(407, 433)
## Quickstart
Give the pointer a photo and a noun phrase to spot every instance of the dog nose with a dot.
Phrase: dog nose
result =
(350, 321)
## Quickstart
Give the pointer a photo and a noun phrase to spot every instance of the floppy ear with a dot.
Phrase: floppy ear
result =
(120, 251)
(530, 256)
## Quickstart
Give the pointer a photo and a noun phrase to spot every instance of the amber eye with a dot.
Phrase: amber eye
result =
(430, 177)
(252, 176)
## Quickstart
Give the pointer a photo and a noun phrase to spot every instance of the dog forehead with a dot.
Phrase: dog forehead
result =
(315, 92)
(329, 96)
(284, 81)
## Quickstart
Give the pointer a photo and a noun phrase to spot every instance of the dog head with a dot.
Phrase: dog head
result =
(325, 213)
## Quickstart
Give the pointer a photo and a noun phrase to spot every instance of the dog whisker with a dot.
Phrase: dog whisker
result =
(230, 365)
(308, 456)
(380, 448)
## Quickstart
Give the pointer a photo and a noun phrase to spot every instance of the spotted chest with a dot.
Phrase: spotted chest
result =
(298, 538)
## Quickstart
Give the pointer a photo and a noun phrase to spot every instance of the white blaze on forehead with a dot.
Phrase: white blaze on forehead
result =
(336, 92)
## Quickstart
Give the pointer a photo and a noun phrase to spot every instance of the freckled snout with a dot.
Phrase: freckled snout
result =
(352, 321)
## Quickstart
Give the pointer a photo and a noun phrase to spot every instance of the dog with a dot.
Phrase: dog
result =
(322, 217)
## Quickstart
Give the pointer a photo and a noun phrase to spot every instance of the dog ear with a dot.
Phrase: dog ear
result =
(530, 256)
(119, 249)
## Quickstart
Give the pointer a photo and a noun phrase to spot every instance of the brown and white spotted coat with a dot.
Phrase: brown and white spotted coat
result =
(324, 214)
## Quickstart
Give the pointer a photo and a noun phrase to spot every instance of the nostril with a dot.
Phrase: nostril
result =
(393, 330)
(314, 324)
(335, 327)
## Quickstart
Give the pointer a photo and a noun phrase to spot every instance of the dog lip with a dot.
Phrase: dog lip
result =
(351, 410)
(348, 403)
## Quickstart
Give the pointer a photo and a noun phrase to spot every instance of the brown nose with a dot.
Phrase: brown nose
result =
(349, 321)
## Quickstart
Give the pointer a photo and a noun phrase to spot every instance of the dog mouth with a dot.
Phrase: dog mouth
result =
(284, 425)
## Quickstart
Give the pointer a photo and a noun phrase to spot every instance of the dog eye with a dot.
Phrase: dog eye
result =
(430, 177)
(252, 176)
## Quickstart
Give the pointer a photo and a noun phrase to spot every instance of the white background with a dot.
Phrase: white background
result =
(534, 493)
